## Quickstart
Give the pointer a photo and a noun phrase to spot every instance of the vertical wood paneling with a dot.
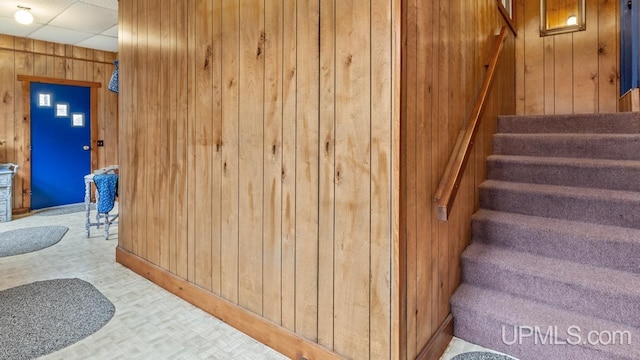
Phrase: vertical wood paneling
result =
(439, 161)
(192, 91)
(163, 154)
(353, 165)
(533, 58)
(585, 74)
(7, 106)
(278, 117)
(564, 79)
(272, 204)
(204, 143)
(327, 173)
(39, 65)
(251, 165)
(424, 83)
(96, 72)
(520, 56)
(125, 129)
(306, 175)
(447, 47)
(26, 45)
(549, 73)
(568, 73)
(7, 41)
(608, 55)
(230, 112)
(143, 124)
(408, 208)
(182, 118)
(153, 130)
(397, 247)
(381, 201)
(216, 160)
(135, 163)
(21, 133)
(289, 129)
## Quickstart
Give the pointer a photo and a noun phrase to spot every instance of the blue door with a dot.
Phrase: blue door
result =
(60, 140)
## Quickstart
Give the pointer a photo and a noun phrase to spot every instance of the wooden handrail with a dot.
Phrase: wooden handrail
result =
(448, 188)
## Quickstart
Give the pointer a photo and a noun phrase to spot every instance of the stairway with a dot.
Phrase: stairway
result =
(553, 270)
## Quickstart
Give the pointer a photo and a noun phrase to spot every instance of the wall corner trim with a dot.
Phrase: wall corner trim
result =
(439, 341)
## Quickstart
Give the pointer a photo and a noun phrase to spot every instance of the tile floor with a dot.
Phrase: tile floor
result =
(459, 346)
(150, 323)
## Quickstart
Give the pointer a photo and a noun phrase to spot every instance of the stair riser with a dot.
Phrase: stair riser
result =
(585, 299)
(542, 290)
(616, 212)
(578, 123)
(595, 251)
(488, 332)
(625, 148)
(608, 177)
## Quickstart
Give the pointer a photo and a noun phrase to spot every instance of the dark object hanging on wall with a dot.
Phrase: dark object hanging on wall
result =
(113, 82)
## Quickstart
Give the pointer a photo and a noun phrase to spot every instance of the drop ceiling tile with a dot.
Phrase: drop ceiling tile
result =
(59, 35)
(111, 32)
(70, 22)
(100, 42)
(43, 10)
(9, 26)
(109, 4)
(75, 17)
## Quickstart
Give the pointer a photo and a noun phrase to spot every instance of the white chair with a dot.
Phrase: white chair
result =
(106, 188)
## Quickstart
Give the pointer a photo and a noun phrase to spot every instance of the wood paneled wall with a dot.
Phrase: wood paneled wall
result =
(21, 56)
(257, 158)
(447, 44)
(568, 73)
(559, 10)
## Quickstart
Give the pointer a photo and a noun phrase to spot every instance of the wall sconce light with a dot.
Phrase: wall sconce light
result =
(23, 16)
(572, 20)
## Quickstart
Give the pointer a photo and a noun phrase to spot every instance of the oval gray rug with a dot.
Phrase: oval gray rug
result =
(481, 355)
(21, 241)
(63, 210)
(45, 316)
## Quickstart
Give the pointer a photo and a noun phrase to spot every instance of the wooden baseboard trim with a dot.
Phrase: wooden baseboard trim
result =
(20, 211)
(264, 331)
(439, 341)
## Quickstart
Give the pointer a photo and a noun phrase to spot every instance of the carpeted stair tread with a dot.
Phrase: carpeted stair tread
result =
(577, 172)
(480, 315)
(596, 146)
(613, 294)
(602, 245)
(601, 206)
(571, 123)
(557, 237)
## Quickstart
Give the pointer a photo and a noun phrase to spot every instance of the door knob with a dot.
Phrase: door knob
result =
(86, 147)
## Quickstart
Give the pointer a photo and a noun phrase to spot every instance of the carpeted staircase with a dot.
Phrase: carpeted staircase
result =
(553, 271)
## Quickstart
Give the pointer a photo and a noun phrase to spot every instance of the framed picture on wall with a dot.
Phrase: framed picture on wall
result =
(77, 119)
(44, 100)
(62, 110)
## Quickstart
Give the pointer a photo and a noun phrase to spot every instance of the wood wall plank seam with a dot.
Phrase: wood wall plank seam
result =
(110, 55)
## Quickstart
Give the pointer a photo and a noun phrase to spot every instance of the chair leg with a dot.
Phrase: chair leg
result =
(106, 226)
